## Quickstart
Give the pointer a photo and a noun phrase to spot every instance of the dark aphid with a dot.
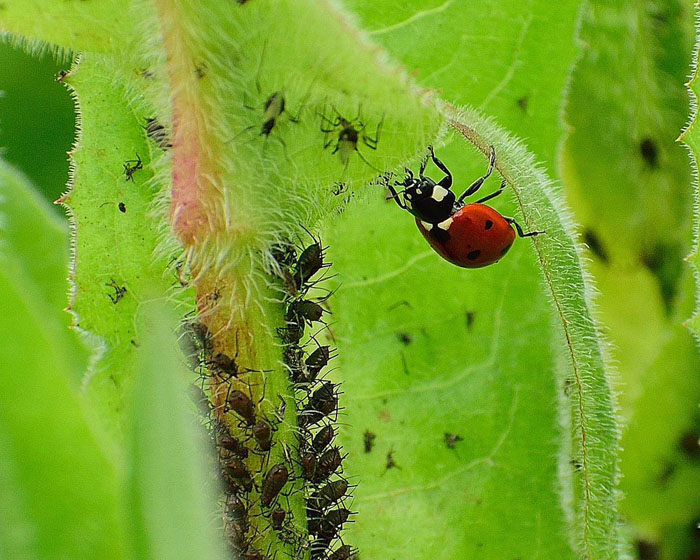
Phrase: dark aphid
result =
(200, 399)
(158, 133)
(277, 517)
(317, 360)
(275, 479)
(242, 405)
(252, 554)
(331, 523)
(262, 432)
(284, 253)
(342, 553)
(452, 439)
(236, 532)
(302, 311)
(232, 445)
(293, 356)
(309, 263)
(274, 107)
(237, 472)
(236, 507)
(201, 336)
(309, 462)
(225, 365)
(323, 439)
(328, 463)
(369, 438)
(122, 207)
(329, 494)
(323, 402)
(292, 333)
(131, 166)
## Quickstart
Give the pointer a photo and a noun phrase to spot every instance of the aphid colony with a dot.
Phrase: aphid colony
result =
(257, 487)
(317, 401)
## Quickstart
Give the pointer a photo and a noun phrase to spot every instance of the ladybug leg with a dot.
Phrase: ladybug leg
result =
(494, 194)
(476, 185)
(446, 181)
(520, 230)
(395, 196)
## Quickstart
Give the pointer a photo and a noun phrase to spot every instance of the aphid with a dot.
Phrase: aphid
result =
(158, 133)
(328, 463)
(122, 207)
(323, 402)
(274, 481)
(119, 292)
(236, 472)
(232, 445)
(309, 462)
(131, 166)
(344, 552)
(242, 405)
(349, 135)
(452, 439)
(304, 311)
(332, 522)
(309, 263)
(262, 432)
(368, 438)
(317, 360)
(467, 235)
(236, 507)
(390, 461)
(284, 254)
(329, 494)
(200, 399)
(252, 554)
(292, 333)
(323, 438)
(224, 364)
(277, 517)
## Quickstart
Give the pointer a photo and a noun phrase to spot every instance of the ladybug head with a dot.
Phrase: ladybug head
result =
(426, 200)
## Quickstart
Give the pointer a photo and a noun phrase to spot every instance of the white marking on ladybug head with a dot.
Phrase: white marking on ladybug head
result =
(408, 195)
(439, 193)
(446, 224)
(426, 225)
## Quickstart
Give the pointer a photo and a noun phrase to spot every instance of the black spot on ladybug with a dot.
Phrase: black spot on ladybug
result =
(649, 152)
(505, 249)
(122, 208)
(594, 243)
(473, 255)
(488, 224)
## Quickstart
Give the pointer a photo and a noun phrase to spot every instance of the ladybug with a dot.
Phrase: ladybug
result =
(467, 235)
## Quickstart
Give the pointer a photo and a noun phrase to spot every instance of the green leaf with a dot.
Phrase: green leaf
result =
(170, 494)
(631, 187)
(46, 433)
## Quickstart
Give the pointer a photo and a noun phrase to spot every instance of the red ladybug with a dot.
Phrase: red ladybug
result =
(468, 235)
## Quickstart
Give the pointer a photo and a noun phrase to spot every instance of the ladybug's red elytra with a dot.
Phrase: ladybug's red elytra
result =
(467, 235)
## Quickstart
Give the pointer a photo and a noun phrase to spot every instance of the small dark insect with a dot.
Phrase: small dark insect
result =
(242, 405)
(292, 333)
(328, 463)
(690, 444)
(390, 461)
(342, 553)
(523, 103)
(119, 292)
(224, 364)
(200, 71)
(277, 517)
(158, 133)
(332, 522)
(323, 402)
(302, 311)
(309, 263)
(369, 438)
(452, 439)
(470, 316)
(275, 479)
(62, 75)
(308, 466)
(284, 254)
(200, 399)
(131, 166)
(349, 135)
(404, 338)
(236, 471)
(339, 188)
(329, 494)
(317, 360)
(649, 152)
(232, 445)
(122, 207)
(323, 438)
(252, 554)
(236, 507)
(262, 432)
